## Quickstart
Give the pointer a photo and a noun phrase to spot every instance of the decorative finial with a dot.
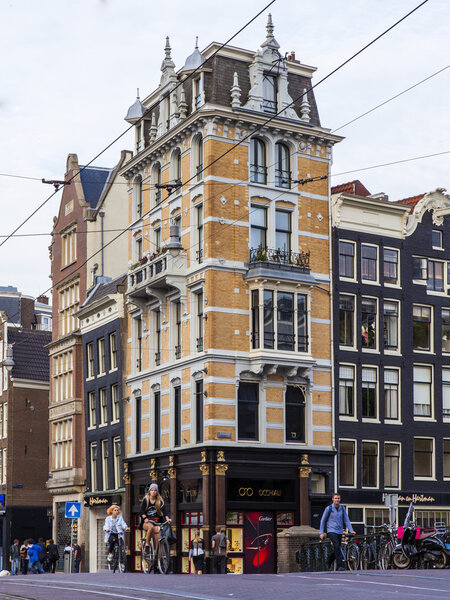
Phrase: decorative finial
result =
(183, 104)
(269, 26)
(305, 108)
(235, 92)
(196, 42)
(153, 128)
(137, 96)
(167, 48)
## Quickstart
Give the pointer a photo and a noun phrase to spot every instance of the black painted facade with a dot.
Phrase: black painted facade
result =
(419, 426)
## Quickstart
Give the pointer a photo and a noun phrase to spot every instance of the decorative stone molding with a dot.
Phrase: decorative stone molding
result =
(172, 473)
(204, 469)
(221, 469)
(220, 456)
(235, 92)
(304, 472)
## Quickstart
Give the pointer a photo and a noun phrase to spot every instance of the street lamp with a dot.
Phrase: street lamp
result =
(9, 361)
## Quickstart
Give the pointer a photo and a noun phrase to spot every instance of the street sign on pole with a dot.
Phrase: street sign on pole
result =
(73, 510)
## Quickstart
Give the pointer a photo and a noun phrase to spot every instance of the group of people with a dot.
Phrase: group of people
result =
(31, 556)
(220, 545)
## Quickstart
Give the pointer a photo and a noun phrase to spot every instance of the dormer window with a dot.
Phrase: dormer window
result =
(269, 94)
(258, 168)
(197, 92)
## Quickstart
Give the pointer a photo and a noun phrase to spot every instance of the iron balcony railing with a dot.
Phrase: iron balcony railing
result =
(285, 257)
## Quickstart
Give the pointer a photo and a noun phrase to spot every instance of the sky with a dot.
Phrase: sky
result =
(69, 72)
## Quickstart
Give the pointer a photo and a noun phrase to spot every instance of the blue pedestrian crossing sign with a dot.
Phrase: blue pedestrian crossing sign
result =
(73, 510)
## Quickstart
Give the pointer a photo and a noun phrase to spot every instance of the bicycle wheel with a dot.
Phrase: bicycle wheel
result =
(115, 560)
(365, 561)
(352, 556)
(163, 556)
(122, 557)
(385, 555)
(146, 557)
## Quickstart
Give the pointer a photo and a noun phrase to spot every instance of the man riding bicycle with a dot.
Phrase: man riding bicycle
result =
(153, 513)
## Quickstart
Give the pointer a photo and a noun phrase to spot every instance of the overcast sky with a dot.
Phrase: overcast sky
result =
(69, 71)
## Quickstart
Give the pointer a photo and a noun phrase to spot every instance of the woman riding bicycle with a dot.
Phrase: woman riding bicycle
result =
(153, 512)
(114, 526)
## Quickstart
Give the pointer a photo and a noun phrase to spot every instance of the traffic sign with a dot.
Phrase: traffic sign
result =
(73, 510)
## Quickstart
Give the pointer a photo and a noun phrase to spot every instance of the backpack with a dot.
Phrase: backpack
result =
(330, 508)
(223, 541)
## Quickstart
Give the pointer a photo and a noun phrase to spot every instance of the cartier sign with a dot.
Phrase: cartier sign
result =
(260, 490)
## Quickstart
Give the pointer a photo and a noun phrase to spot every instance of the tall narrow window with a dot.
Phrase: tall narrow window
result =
(177, 415)
(138, 248)
(157, 337)
(369, 263)
(346, 320)
(423, 457)
(138, 197)
(445, 330)
(421, 327)
(113, 351)
(103, 406)
(117, 464)
(347, 391)
(369, 464)
(94, 477)
(346, 463)
(258, 228)
(199, 210)
(105, 464)
(391, 465)
(368, 322)
(420, 268)
(138, 424)
(255, 319)
(197, 92)
(269, 326)
(369, 392)
(92, 409)
(248, 402)
(158, 239)
(157, 182)
(157, 420)
(390, 266)
(176, 158)
(422, 391)
(446, 470)
(302, 323)
(390, 324)
(436, 239)
(115, 402)
(138, 323)
(435, 280)
(283, 231)
(282, 168)
(199, 411)
(391, 395)
(178, 329)
(347, 259)
(90, 360)
(285, 321)
(446, 392)
(269, 94)
(295, 414)
(198, 151)
(200, 322)
(258, 168)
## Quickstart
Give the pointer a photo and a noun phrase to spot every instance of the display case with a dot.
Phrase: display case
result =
(284, 520)
(190, 522)
(235, 535)
(136, 547)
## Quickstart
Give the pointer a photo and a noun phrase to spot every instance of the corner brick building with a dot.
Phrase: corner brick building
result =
(229, 371)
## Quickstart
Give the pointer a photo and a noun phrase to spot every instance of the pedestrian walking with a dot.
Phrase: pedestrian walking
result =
(197, 552)
(220, 546)
(53, 555)
(33, 556)
(23, 555)
(76, 556)
(332, 524)
(14, 552)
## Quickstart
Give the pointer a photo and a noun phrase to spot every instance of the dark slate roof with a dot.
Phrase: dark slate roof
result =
(411, 201)
(29, 353)
(12, 307)
(93, 180)
(104, 289)
(352, 187)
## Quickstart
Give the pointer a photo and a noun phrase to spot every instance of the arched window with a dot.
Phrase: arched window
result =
(198, 157)
(295, 414)
(138, 200)
(282, 167)
(176, 167)
(258, 169)
(156, 181)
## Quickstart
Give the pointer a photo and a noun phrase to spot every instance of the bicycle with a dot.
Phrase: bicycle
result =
(371, 547)
(117, 562)
(350, 553)
(387, 546)
(162, 558)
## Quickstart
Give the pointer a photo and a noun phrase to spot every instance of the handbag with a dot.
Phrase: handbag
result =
(170, 536)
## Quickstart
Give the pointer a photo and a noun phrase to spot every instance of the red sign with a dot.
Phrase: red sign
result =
(259, 530)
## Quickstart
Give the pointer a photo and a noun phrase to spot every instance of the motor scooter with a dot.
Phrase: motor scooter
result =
(415, 549)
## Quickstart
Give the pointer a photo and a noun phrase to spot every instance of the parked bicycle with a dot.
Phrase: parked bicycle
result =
(387, 547)
(161, 559)
(350, 553)
(118, 561)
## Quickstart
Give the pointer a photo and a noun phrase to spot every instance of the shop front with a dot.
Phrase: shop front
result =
(95, 507)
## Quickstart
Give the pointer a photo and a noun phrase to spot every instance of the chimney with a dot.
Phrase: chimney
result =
(42, 299)
(291, 56)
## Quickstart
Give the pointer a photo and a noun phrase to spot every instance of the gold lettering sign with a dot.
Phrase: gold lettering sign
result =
(416, 498)
(249, 492)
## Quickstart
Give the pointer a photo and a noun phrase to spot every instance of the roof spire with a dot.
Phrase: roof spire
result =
(270, 41)
(137, 94)
(196, 42)
(168, 49)
(269, 26)
(168, 66)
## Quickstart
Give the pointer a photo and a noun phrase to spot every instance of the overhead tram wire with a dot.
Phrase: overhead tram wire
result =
(129, 227)
(151, 108)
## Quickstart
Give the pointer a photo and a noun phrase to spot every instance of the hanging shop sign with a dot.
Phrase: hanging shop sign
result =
(260, 490)
(93, 501)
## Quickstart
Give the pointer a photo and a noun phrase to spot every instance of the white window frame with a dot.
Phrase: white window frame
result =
(398, 420)
(444, 278)
(397, 284)
(117, 462)
(375, 419)
(418, 350)
(92, 409)
(394, 443)
(343, 417)
(433, 458)
(353, 347)
(112, 342)
(432, 399)
(93, 463)
(115, 403)
(343, 277)
(101, 354)
(355, 472)
(102, 394)
(105, 464)
(90, 364)
(376, 281)
(441, 247)
(377, 325)
(445, 477)
(397, 351)
(377, 486)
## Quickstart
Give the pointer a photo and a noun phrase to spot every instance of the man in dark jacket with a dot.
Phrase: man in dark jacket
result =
(53, 555)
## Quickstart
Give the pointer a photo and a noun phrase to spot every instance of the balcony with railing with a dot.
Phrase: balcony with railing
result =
(271, 262)
(157, 271)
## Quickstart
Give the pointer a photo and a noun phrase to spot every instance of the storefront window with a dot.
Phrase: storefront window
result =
(190, 522)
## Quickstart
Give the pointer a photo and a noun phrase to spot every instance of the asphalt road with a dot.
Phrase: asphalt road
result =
(316, 586)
